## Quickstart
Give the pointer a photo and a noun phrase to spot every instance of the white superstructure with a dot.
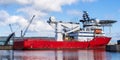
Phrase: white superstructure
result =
(72, 31)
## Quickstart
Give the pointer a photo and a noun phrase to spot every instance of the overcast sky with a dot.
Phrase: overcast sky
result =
(19, 12)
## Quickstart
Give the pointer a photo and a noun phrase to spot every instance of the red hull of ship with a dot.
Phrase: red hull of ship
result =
(39, 43)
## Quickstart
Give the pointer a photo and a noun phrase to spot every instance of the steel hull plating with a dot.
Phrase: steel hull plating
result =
(38, 43)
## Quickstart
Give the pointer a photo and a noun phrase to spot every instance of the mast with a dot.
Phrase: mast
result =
(86, 19)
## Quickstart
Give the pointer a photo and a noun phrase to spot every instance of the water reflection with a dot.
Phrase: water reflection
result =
(6, 55)
(54, 55)
(60, 55)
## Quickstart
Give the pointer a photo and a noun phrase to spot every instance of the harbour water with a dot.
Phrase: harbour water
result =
(58, 55)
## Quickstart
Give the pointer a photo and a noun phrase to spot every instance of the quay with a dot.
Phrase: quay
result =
(6, 47)
(114, 48)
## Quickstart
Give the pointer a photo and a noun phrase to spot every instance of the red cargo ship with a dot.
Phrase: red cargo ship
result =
(69, 35)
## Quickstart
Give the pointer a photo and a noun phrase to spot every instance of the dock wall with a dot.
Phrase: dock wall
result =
(114, 48)
(5, 47)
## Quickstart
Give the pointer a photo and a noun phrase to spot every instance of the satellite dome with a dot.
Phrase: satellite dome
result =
(97, 20)
(52, 19)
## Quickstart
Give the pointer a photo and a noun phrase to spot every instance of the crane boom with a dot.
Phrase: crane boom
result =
(28, 26)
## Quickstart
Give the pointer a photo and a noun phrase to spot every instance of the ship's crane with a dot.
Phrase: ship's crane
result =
(63, 28)
(27, 27)
(10, 36)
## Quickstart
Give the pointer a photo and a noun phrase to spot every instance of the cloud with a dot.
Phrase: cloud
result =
(32, 11)
(53, 5)
(75, 12)
(88, 0)
(40, 8)
(6, 19)
(3, 16)
(4, 2)
(47, 5)
(37, 25)
(21, 2)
